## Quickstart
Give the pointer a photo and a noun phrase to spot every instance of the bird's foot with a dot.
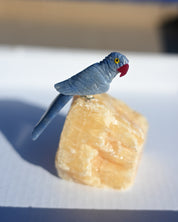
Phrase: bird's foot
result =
(88, 98)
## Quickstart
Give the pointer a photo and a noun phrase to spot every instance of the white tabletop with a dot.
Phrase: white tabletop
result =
(27, 172)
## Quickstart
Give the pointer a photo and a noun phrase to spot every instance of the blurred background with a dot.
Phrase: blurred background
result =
(141, 26)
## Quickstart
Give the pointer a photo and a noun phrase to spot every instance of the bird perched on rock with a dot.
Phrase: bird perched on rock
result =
(93, 80)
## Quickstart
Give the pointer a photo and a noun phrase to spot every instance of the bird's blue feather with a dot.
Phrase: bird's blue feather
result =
(50, 114)
(88, 82)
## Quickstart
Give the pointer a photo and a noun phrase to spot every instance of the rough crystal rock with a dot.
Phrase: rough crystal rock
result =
(101, 142)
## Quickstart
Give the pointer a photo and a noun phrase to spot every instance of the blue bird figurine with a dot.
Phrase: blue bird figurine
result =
(93, 80)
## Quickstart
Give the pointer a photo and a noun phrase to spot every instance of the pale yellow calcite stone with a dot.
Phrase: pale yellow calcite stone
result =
(101, 143)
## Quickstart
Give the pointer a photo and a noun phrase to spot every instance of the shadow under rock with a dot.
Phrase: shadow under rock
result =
(17, 120)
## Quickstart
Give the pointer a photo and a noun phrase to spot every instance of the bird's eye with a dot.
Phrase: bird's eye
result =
(116, 60)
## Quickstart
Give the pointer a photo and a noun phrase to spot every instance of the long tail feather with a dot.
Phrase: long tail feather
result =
(50, 114)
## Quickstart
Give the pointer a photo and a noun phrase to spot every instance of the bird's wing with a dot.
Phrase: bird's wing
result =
(88, 82)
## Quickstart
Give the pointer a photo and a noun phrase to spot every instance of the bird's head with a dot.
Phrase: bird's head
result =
(118, 62)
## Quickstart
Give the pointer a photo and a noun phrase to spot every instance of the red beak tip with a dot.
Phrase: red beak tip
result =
(123, 70)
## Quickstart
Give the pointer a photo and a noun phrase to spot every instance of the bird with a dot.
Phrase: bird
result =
(93, 80)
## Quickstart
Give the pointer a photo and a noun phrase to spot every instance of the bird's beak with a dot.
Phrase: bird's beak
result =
(123, 69)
